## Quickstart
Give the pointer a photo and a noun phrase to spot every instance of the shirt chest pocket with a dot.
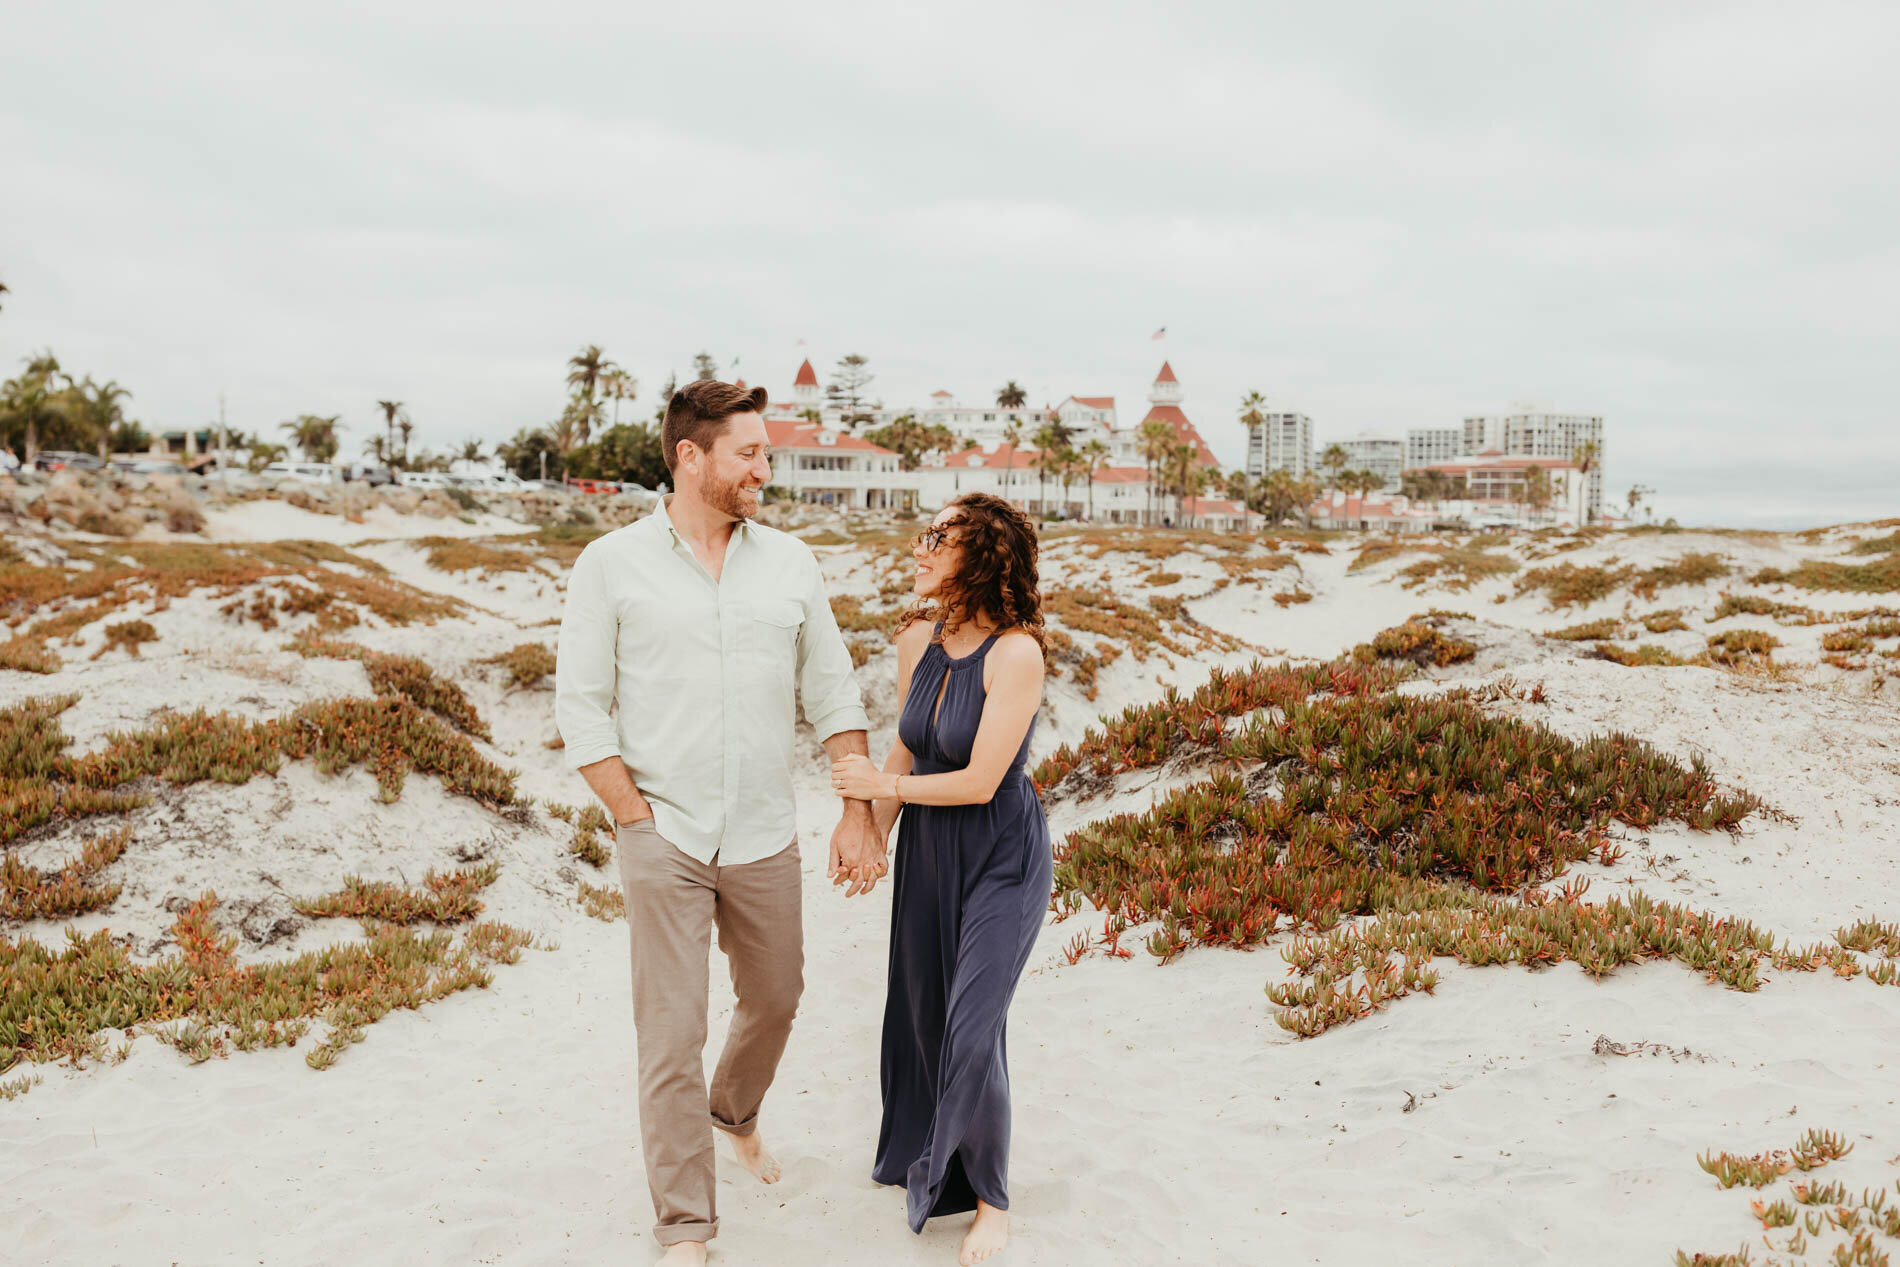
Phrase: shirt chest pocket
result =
(768, 630)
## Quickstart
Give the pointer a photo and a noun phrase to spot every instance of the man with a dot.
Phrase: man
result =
(697, 623)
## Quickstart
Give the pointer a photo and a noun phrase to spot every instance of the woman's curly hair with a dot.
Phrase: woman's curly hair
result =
(996, 576)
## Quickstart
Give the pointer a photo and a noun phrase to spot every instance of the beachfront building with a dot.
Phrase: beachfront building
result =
(1530, 432)
(1525, 432)
(1495, 483)
(821, 461)
(1002, 470)
(985, 425)
(828, 467)
(1284, 442)
(1220, 514)
(1375, 512)
(1123, 495)
(1427, 445)
(1164, 406)
(1382, 456)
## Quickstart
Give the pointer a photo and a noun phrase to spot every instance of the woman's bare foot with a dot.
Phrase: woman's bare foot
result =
(750, 1150)
(684, 1254)
(987, 1235)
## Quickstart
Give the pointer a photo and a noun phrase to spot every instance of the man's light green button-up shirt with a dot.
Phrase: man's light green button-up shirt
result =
(703, 679)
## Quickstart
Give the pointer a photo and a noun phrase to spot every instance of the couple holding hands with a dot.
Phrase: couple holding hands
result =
(688, 639)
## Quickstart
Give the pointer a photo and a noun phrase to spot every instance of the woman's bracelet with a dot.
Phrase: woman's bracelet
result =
(897, 788)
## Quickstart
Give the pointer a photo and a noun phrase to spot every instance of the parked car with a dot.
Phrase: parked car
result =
(304, 472)
(374, 476)
(67, 460)
(581, 485)
(549, 486)
(146, 466)
(424, 479)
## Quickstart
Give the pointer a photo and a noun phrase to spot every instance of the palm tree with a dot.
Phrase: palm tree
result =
(586, 368)
(1537, 490)
(619, 386)
(564, 437)
(1011, 395)
(407, 428)
(1070, 464)
(1334, 459)
(36, 388)
(1181, 457)
(1194, 485)
(378, 448)
(1252, 415)
(1094, 458)
(3, 289)
(1012, 436)
(392, 409)
(471, 451)
(100, 411)
(1157, 438)
(315, 435)
(1048, 459)
(1584, 458)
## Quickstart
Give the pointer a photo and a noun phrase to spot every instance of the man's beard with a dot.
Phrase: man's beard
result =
(728, 497)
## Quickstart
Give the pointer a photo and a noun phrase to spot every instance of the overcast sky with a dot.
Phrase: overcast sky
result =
(1681, 216)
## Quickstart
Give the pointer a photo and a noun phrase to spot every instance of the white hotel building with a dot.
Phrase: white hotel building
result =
(1527, 432)
(821, 462)
(1284, 442)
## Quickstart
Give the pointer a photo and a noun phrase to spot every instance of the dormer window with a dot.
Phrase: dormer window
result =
(826, 437)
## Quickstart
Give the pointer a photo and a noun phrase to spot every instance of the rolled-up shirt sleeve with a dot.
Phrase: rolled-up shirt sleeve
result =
(584, 669)
(827, 686)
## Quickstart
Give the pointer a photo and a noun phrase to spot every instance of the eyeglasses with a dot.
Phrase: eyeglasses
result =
(931, 539)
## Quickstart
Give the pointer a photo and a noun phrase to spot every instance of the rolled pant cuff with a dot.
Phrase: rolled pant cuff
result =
(746, 1127)
(678, 1233)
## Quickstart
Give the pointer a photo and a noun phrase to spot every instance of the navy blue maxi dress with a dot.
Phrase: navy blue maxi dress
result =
(971, 887)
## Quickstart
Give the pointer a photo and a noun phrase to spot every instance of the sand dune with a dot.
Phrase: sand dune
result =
(1161, 1115)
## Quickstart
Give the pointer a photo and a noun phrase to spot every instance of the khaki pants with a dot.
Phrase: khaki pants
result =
(673, 902)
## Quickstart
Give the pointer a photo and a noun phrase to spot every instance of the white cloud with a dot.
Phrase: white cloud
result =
(1679, 215)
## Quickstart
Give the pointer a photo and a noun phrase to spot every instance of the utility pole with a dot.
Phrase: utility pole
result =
(544, 464)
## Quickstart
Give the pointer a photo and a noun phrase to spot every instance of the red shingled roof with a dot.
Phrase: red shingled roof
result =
(807, 376)
(1167, 374)
(1095, 402)
(1122, 475)
(1004, 457)
(796, 433)
(1212, 506)
(1183, 430)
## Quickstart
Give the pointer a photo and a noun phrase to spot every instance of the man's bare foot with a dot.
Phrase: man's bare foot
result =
(750, 1150)
(684, 1254)
(987, 1235)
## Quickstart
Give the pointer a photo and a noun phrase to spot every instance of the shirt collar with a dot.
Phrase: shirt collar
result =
(741, 528)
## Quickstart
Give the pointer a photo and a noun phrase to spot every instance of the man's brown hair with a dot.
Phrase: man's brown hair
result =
(699, 412)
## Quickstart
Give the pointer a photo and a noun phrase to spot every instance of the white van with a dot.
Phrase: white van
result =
(423, 479)
(304, 472)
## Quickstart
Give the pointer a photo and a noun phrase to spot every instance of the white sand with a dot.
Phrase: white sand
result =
(1161, 1115)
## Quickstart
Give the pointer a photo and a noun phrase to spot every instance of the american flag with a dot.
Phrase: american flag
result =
(1162, 333)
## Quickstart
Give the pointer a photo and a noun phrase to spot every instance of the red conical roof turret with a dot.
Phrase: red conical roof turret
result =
(807, 376)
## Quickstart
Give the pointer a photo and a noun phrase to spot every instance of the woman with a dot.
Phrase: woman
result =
(973, 866)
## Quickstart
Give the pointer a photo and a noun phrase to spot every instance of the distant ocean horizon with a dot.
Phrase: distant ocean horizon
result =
(1710, 512)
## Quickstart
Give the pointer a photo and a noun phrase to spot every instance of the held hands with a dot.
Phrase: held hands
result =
(855, 778)
(857, 848)
(857, 853)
